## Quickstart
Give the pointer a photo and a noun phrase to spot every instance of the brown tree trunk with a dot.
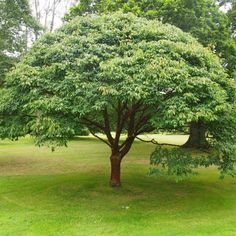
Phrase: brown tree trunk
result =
(197, 136)
(115, 170)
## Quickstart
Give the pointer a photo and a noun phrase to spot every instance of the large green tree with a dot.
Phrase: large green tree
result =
(16, 23)
(113, 74)
(202, 18)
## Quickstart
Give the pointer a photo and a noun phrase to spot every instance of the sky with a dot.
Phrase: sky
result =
(61, 9)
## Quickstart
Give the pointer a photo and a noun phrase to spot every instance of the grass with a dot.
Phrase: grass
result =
(67, 193)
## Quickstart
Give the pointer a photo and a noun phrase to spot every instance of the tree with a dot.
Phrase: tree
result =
(231, 46)
(232, 16)
(16, 25)
(205, 21)
(182, 164)
(113, 73)
(202, 18)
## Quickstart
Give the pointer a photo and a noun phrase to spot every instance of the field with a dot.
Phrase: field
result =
(66, 193)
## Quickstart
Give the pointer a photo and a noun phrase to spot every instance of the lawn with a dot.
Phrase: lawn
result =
(66, 193)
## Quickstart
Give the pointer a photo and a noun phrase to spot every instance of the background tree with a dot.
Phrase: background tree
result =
(202, 18)
(232, 16)
(182, 164)
(231, 13)
(16, 24)
(113, 73)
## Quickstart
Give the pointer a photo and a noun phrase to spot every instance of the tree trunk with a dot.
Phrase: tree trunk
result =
(197, 136)
(115, 170)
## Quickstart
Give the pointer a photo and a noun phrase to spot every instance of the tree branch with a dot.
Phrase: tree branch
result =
(96, 136)
(119, 125)
(107, 127)
(153, 141)
(94, 123)
(125, 147)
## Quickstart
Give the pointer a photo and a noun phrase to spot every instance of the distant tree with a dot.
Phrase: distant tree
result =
(202, 18)
(16, 23)
(113, 73)
(231, 46)
(232, 16)
(182, 164)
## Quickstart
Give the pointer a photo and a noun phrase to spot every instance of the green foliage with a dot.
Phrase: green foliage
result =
(231, 4)
(230, 46)
(98, 64)
(223, 136)
(202, 18)
(15, 17)
(173, 162)
(16, 24)
(6, 62)
(181, 164)
(54, 129)
(232, 16)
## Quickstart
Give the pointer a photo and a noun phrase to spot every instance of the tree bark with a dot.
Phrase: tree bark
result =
(115, 160)
(197, 136)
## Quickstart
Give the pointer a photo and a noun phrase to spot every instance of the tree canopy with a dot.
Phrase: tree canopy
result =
(113, 73)
(202, 18)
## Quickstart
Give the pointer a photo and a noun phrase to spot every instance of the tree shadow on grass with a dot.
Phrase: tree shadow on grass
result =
(140, 202)
(138, 192)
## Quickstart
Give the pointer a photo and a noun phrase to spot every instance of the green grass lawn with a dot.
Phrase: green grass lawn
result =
(67, 193)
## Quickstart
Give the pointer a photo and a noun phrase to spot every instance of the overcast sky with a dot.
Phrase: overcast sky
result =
(63, 7)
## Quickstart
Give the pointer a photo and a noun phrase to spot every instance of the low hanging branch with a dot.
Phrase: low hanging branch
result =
(156, 143)
(98, 137)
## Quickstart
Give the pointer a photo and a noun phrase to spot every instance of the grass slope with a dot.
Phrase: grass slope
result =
(67, 193)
